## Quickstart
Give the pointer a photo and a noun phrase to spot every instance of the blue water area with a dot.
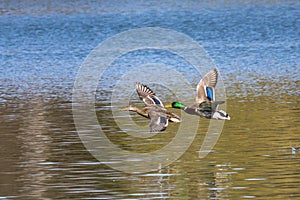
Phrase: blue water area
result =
(41, 53)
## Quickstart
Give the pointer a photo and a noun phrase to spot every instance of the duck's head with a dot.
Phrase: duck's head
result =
(176, 105)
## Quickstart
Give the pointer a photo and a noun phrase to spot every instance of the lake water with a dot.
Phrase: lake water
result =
(255, 47)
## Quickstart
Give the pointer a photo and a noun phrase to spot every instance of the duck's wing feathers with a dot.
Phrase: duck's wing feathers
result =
(147, 95)
(173, 117)
(206, 87)
(209, 106)
(158, 119)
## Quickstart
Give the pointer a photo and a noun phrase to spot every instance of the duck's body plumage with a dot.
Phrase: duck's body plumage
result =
(154, 109)
(205, 104)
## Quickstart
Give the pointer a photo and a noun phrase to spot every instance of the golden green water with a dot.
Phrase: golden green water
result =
(42, 157)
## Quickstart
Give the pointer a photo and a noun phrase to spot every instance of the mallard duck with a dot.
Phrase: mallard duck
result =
(295, 149)
(154, 109)
(205, 104)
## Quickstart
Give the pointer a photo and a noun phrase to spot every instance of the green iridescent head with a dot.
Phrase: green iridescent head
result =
(178, 105)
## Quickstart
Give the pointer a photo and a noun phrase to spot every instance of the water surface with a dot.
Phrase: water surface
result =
(256, 49)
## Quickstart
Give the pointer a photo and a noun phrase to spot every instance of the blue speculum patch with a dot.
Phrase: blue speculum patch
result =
(156, 101)
(209, 92)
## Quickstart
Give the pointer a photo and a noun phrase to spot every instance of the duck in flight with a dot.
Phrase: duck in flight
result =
(205, 104)
(154, 109)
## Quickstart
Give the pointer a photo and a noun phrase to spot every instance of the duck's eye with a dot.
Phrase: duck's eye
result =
(226, 115)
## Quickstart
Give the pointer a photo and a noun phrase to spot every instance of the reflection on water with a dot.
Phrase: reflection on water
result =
(34, 144)
(42, 157)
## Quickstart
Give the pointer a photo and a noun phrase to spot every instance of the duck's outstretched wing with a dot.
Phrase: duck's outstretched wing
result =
(206, 87)
(158, 120)
(147, 95)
